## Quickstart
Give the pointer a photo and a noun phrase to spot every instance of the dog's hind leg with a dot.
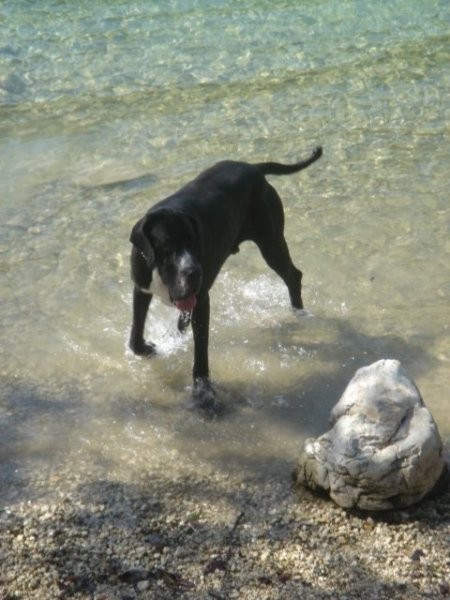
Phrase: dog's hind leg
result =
(272, 244)
(278, 258)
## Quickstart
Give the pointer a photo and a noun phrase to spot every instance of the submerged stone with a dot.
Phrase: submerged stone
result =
(383, 450)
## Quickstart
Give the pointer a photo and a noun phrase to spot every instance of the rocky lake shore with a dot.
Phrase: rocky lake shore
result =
(214, 536)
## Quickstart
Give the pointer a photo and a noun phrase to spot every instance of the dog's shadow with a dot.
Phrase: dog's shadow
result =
(331, 342)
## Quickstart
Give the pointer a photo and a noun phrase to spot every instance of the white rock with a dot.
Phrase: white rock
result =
(383, 451)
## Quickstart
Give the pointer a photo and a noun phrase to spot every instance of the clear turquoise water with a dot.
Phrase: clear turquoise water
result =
(94, 93)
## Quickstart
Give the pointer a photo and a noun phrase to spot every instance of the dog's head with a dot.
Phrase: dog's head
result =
(169, 242)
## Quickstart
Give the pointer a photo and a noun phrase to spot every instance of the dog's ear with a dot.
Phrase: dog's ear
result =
(139, 239)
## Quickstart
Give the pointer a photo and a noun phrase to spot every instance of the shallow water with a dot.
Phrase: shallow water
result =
(105, 109)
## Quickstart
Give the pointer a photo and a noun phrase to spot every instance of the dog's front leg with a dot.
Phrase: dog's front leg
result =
(141, 302)
(200, 327)
(204, 395)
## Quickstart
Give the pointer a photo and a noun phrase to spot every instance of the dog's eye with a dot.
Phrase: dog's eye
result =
(165, 249)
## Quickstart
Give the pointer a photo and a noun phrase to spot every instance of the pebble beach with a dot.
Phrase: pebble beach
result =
(216, 537)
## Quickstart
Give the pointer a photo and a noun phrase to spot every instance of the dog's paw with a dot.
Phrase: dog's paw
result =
(302, 312)
(205, 400)
(183, 321)
(203, 392)
(146, 350)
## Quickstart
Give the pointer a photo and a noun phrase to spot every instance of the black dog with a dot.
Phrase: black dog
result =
(180, 245)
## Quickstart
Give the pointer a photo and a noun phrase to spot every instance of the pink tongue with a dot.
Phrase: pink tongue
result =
(187, 304)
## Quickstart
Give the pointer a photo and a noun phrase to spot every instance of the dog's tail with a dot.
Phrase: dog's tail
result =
(273, 168)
